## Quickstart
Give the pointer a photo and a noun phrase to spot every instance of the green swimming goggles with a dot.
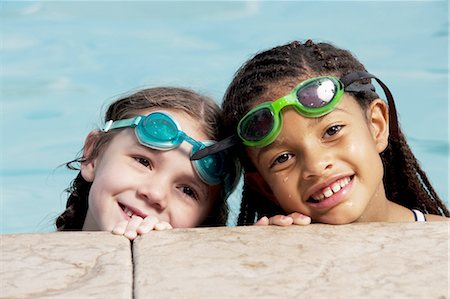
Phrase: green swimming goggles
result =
(160, 131)
(312, 98)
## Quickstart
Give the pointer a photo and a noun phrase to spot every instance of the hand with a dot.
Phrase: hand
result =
(138, 226)
(282, 220)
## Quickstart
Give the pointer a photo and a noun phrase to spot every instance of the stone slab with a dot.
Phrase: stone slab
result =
(65, 265)
(376, 260)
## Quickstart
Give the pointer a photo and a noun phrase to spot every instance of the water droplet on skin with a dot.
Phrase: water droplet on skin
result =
(349, 203)
(285, 179)
(290, 196)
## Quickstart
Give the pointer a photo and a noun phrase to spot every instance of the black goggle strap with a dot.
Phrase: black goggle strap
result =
(216, 147)
(351, 79)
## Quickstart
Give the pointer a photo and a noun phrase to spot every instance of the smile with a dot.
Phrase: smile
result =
(329, 190)
(131, 211)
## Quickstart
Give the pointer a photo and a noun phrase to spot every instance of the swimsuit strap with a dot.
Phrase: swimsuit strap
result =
(418, 216)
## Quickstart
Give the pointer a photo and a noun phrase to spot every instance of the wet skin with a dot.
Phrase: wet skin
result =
(329, 168)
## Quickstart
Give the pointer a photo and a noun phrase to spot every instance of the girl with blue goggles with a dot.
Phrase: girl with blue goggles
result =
(160, 131)
(127, 186)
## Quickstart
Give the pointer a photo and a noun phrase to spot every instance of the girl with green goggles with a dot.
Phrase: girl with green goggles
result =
(328, 165)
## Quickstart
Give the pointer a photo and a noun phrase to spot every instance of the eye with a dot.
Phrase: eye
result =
(145, 162)
(333, 130)
(189, 192)
(282, 159)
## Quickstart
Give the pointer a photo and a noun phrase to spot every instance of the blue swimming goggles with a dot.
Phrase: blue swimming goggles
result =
(160, 131)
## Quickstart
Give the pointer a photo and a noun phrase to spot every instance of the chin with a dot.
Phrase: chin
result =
(337, 219)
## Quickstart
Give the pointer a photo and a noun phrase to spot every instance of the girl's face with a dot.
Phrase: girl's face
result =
(131, 179)
(328, 168)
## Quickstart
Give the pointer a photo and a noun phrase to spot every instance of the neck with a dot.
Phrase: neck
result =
(381, 209)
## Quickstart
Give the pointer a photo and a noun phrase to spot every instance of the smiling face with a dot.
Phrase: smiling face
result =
(129, 178)
(328, 168)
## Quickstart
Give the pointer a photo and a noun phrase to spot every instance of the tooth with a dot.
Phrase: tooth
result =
(327, 192)
(318, 197)
(128, 212)
(336, 188)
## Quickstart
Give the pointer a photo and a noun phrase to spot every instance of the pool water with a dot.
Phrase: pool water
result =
(63, 62)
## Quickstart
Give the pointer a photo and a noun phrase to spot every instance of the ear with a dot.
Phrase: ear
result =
(255, 180)
(378, 118)
(88, 166)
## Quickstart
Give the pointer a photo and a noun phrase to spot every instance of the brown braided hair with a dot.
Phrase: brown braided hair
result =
(404, 180)
(200, 107)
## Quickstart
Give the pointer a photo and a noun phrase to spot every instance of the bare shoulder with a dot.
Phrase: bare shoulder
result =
(431, 217)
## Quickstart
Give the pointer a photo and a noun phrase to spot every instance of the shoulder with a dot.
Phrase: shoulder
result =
(431, 217)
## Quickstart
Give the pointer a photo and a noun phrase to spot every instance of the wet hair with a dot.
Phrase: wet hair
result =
(200, 107)
(287, 65)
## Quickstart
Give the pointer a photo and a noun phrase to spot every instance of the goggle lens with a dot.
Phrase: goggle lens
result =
(317, 93)
(211, 167)
(257, 125)
(158, 131)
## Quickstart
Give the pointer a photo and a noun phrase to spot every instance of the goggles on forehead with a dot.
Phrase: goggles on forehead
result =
(160, 131)
(312, 98)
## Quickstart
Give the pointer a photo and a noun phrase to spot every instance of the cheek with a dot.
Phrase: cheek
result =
(182, 216)
(285, 189)
(96, 193)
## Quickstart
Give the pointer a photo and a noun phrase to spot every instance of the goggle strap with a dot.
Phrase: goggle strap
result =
(215, 148)
(360, 75)
(122, 123)
(357, 87)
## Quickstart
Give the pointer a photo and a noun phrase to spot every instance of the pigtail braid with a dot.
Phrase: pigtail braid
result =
(406, 182)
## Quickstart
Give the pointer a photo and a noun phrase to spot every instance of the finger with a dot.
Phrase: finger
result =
(163, 225)
(120, 227)
(147, 225)
(281, 220)
(300, 219)
(263, 221)
(133, 223)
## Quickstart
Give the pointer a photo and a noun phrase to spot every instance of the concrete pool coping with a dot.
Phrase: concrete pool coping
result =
(374, 260)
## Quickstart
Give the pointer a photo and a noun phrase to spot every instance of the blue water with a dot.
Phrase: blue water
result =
(63, 62)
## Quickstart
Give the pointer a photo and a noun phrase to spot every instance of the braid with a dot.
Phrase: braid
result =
(247, 214)
(405, 182)
(253, 209)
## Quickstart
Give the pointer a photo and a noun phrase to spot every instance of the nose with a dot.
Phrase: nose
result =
(316, 161)
(154, 194)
